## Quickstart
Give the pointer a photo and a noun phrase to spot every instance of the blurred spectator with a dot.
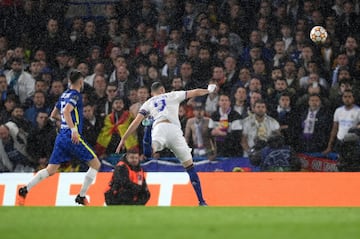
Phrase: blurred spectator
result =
(88, 39)
(267, 33)
(76, 29)
(244, 77)
(39, 105)
(171, 68)
(257, 126)
(110, 59)
(337, 91)
(274, 94)
(154, 59)
(53, 40)
(125, 81)
(61, 68)
(103, 108)
(345, 117)
(176, 84)
(201, 67)
(188, 18)
(35, 68)
(313, 128)
(280, 53)
(286, 36)
(253, 97)
(287, 116)
(20, 81)
(231, 74)
(153, 75)
(225, 128)
(55, 91)
(10, 102)
(197, 133)
(99, 93)
(313, 75)
(218, 76)
(302, 101)
(40, 140)
(192, 51)
(18, 118)
(236, 44)
(348, 21)
(141, 76)
(14, 157)
(92, 125)
(186, 74)
(290, 74)
(240, 103)
(115, 125)
(4, 92)
(142, 95)
(175, 43)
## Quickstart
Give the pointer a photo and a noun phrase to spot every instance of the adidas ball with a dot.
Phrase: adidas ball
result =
(318, 34)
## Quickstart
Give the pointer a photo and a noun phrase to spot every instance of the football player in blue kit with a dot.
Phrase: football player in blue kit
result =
(68, 143)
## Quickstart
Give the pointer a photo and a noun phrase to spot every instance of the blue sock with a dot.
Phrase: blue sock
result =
(147, 142)
(195, 182)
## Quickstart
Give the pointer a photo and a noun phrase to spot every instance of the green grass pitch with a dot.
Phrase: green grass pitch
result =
(126, 222)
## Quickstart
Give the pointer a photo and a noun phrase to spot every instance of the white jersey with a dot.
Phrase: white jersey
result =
(164, 107)
(346, 119)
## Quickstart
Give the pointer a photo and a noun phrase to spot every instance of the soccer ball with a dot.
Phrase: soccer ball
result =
(318, 34)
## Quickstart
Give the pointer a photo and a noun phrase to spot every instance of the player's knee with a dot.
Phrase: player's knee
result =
(187, 163)
(52, 169)
(156, 146)
(95, 164)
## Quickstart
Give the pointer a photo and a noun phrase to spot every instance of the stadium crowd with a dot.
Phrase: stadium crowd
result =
(269, 75)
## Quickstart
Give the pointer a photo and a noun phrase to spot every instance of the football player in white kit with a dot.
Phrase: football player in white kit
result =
(166, 132)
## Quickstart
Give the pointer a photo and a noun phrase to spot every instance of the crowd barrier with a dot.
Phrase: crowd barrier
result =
(311, 162)
(326, 189)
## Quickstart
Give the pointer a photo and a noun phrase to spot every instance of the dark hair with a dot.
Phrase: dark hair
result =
(260, 101)
(132, 151)
(113, 83)
(75, 76)
(16, 59)
(156, 85)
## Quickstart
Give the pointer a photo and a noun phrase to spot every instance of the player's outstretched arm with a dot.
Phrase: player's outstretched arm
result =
(200, 92)
(133, 126)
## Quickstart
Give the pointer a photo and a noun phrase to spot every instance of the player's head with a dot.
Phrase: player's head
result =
(157, 88)
(75, 77)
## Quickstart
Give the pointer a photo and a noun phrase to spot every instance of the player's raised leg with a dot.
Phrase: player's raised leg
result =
(50, 170)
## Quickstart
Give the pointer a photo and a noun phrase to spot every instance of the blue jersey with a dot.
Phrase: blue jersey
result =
(74, 98)
(64, 148)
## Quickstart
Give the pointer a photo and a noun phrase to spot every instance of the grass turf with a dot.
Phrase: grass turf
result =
(178, 222)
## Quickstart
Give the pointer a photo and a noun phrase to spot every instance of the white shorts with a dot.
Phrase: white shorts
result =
(170, 136)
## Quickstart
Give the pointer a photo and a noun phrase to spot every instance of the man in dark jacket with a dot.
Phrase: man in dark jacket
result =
(128, 185)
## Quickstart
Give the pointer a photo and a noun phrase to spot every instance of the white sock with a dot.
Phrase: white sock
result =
(39, 176)
(89, 178)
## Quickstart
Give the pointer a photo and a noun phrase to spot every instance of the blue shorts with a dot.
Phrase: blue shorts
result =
(65, 150)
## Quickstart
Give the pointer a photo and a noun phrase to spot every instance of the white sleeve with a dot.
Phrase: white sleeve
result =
(178, 96)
